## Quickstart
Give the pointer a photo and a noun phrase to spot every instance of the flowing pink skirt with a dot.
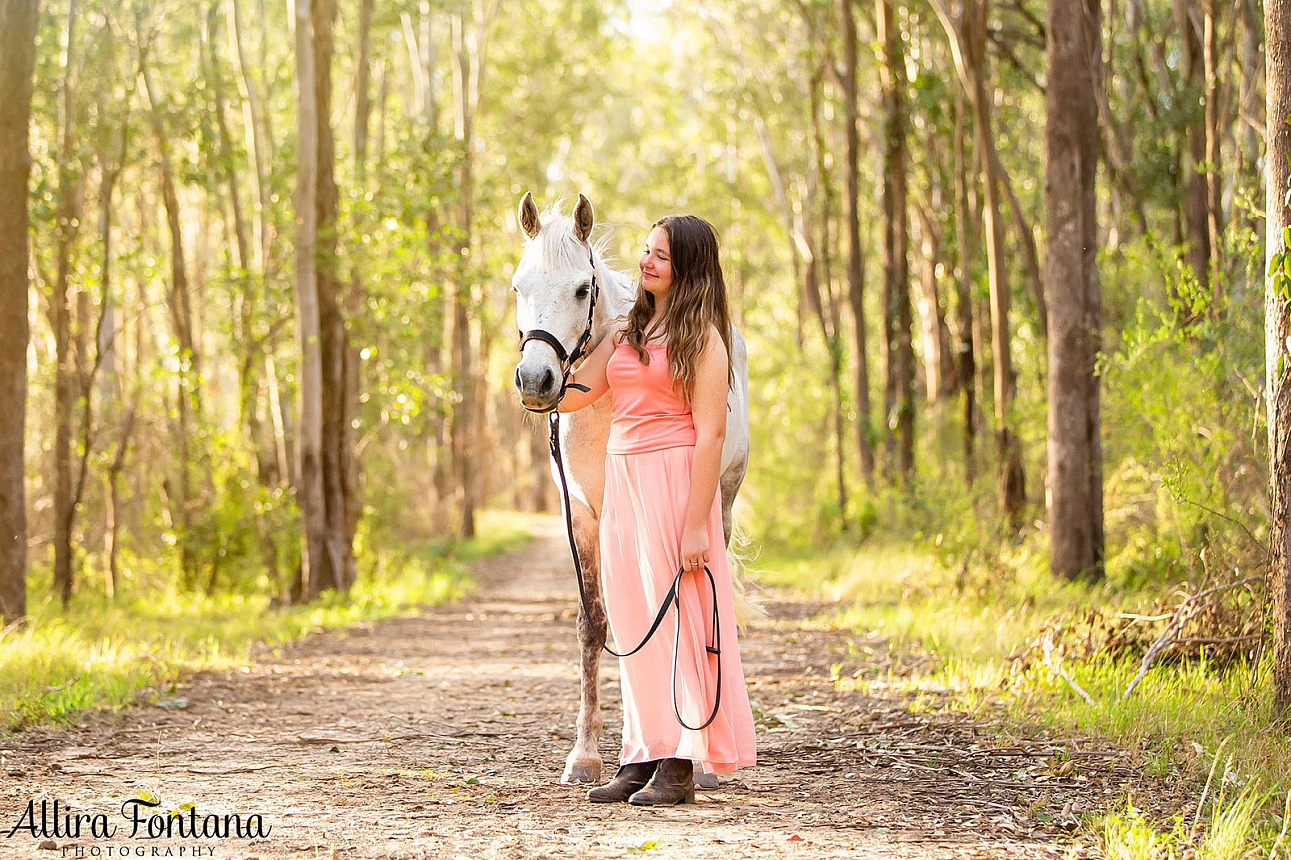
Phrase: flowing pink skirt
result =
(641, 525)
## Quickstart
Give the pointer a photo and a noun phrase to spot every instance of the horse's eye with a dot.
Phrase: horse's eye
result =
(582, 292)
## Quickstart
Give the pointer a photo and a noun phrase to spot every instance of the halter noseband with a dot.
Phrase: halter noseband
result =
(567, 360)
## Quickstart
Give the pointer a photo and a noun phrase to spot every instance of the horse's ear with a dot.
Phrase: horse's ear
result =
(529, 216)
(584, 218)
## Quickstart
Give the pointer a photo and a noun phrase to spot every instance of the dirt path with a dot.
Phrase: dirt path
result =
(443, 735)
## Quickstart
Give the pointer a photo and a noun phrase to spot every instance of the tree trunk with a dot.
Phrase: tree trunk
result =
(1214, 136)
(819, 289)
(1277, 303)
(252, 114)
(66, 377)
(967, 370)
(855, 251)
(362, 94)
(18, 23)
(1252, 106)
(338, 439)
(1071, 162)
(897, 317)
(1197, 194)
(315, 567)
(467, 68)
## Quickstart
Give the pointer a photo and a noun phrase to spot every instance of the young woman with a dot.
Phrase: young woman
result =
(667, 368)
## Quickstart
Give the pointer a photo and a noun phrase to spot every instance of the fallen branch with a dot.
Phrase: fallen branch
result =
(1168, 637)
(1230, 640)
(1054, 662)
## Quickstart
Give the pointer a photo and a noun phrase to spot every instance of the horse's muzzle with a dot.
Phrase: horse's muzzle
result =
(539, 389)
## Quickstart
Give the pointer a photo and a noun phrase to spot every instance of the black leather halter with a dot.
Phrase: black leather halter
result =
(567, 360)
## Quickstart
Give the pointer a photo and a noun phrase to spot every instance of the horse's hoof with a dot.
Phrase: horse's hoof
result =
(705, 781)
(581, 774)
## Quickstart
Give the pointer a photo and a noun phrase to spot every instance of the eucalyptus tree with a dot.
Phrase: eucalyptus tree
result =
(1277, 37)
(898, 346)
(18, 23)
(1075, 300)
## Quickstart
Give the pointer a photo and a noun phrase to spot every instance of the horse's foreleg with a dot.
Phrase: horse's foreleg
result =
(729, 484)
(584, 761)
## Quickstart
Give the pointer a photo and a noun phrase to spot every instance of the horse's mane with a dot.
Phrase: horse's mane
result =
(557, 247)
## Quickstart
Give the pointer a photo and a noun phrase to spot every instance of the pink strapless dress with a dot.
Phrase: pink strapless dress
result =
(647, 484)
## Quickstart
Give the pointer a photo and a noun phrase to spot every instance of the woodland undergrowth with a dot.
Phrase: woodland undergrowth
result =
(1165, 655)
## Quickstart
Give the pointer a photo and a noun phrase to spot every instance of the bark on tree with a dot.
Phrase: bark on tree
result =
(253, 122)
(1197, 195)
(855, 251)
(362, 91)
(338, 396)
(1214, 156)
(967, 370)
(315, 568)
(18, 23)
(1075, 500)
(65, 374)
(898, 320)
(1277, 327)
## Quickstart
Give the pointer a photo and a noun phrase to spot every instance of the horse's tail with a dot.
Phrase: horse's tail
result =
(749, 606)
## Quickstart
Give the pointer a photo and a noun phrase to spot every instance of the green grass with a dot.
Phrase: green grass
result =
(921, 626)
(103, 654)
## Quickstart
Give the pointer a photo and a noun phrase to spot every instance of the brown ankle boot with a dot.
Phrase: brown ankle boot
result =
(672, 783)
(630, 779)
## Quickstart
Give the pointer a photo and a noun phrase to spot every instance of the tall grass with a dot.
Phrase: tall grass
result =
(104, 654)
(921, 625)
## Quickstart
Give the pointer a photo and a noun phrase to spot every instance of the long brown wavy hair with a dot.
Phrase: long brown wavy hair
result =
(696, 299)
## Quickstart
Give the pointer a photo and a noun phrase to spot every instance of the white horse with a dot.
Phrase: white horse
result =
(556, 279)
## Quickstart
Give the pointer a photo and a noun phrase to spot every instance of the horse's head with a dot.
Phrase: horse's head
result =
(553, 284)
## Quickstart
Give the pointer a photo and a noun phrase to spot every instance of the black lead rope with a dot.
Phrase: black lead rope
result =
(671, 600)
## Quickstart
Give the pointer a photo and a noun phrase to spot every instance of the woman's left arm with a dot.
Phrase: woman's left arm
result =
(708, 405)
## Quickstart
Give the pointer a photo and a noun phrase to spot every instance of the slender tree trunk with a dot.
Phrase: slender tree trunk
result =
(252, 118)
(1030, 255)
(18, 24)
(939, 370)
(315, 567)
(112, 501)
(1252, 104)
(1277, 305)
(362, 94)
(338, 448)
(820, 295)
(855, 251)
(1214, 156)
(66, 377)
(967, 370)
(468, 62)
(1071, 161)
(897, 318)
(1197, 199)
